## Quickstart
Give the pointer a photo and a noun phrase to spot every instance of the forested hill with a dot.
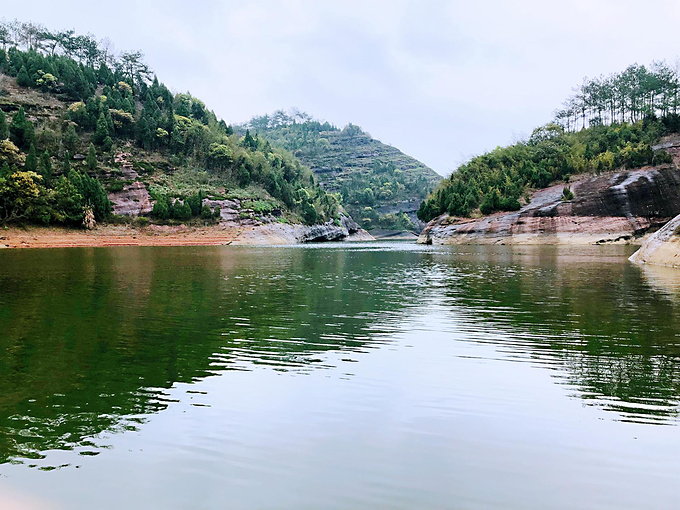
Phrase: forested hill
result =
(380, 186)
(85, 133)
(610, 123)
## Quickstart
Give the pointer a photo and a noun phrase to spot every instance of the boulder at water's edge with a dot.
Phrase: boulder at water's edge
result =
(662, 248)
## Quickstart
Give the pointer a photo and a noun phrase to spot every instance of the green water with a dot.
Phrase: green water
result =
(382, 375)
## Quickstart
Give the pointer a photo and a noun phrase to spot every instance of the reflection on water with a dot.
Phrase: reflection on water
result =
(95, 342)
(613, 336)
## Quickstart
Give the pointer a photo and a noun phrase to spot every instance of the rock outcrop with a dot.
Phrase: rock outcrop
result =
(134, 198)
(348, 230)
(614, 207)
(662, 248)
(324, 233)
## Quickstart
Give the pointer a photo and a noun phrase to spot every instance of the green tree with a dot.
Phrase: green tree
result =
(207, 214)
(248, 141)
(180, 211)
(10, 154)
(161, 209)
(95, 197)
(19, 195)
(23, 79)
(243, 176)
(45, 167)
(186, 211)
(196, 203)
(109, 121)
(68, 202)
(102, 130)
(4, 128)
(71, 139)
(66, 164)
(91, 159)
(31, 164)
(17, 128)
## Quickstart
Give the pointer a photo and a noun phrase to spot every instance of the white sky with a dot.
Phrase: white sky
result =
(440, 80)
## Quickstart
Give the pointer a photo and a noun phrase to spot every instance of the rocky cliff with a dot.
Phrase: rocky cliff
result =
(613, 207)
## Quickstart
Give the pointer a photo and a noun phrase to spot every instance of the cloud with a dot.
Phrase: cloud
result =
(437, 79)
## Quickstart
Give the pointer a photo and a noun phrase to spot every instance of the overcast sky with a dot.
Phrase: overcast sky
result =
(440, 80)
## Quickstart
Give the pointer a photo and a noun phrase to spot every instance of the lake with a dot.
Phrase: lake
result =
(377, 375)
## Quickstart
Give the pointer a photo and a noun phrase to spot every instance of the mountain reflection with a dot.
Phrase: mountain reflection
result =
(93, 339)
(613, 331)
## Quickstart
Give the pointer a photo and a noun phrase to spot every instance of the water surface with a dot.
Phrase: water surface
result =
(381, 375)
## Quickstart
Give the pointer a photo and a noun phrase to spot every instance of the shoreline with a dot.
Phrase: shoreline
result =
(542, 239)
(234, 234)
(157, 235)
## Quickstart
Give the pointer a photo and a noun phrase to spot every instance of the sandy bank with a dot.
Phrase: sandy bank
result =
(159, 235)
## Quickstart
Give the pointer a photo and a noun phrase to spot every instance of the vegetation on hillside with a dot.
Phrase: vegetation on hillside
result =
(377, 183)
(103, 103)
(632, 95)
(621, 117)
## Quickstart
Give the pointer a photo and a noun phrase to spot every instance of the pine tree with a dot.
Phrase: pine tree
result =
(17, 127)
(127, 105)
(29, 134)
(71, 138)
(248, 141)
(186, 211)
(161, 209)
(109, 121)
(196, 203)
(4, 128)
(91, 159)
(66, 165)
(23, 79)
(45, 167)
(102, 130)
(31, 164)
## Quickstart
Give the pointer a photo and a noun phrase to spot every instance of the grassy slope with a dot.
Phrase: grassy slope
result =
(157, 171)
(349, 160)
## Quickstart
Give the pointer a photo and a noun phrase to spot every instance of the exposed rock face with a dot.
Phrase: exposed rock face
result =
(356, 233)
(324, 233)
(134, 200)
(349, 230)
(282, 233)
(662, 248)
(613, 207)
(229, 209)
(349, 224)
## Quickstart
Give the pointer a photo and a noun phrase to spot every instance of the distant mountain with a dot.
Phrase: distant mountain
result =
(381, 187)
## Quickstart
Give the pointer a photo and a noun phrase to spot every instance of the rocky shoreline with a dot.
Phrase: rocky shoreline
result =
(616, 207)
